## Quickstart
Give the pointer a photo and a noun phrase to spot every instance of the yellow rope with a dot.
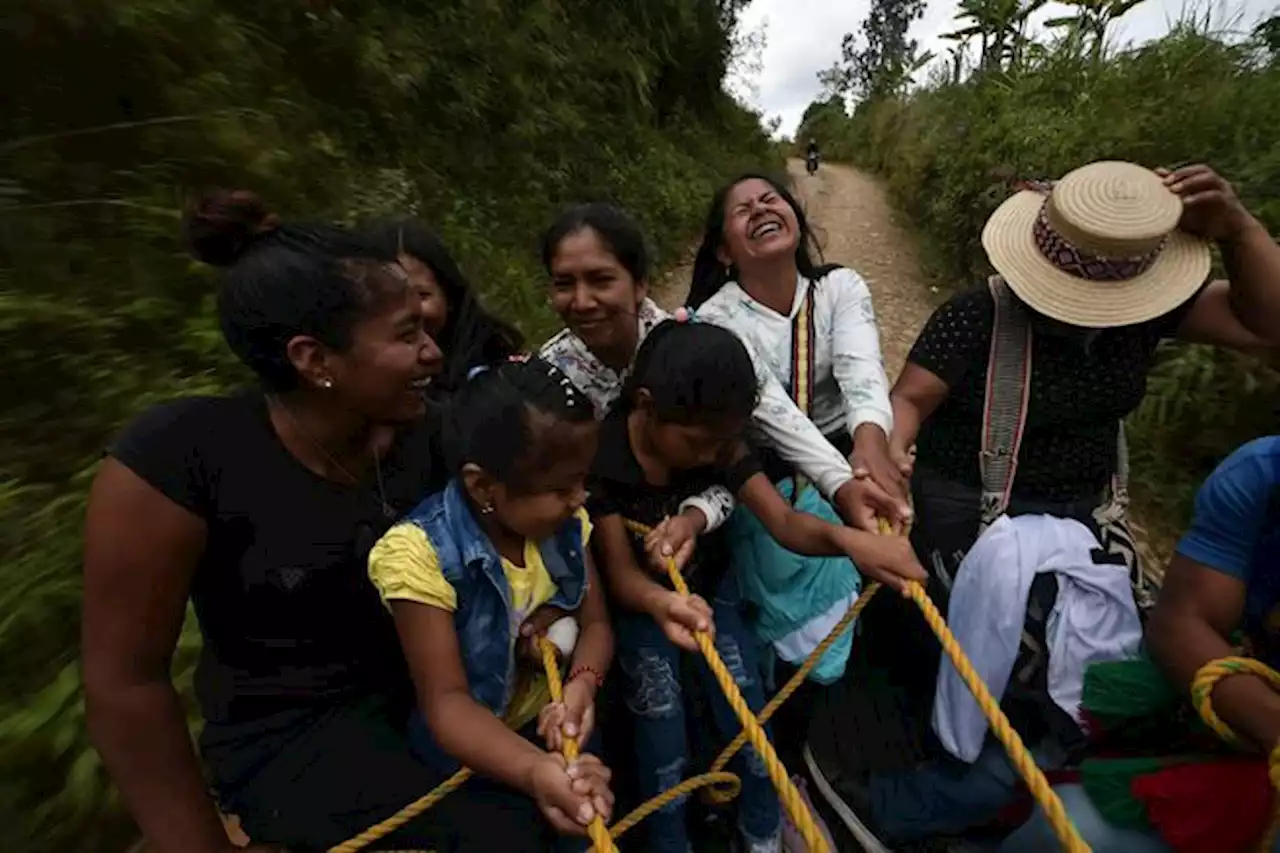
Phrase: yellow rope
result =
(596, 829)
(788, 794)
(724, 786)
(1202, 686)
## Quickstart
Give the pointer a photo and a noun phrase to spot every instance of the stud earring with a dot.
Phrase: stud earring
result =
(326, 382)
(486, 509)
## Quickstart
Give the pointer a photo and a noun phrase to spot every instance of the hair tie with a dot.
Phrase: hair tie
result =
(684, 315)
(476, 371)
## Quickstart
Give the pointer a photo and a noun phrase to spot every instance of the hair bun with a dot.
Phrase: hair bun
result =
(223, 223)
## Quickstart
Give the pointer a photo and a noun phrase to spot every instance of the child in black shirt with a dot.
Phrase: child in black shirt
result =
(676, 430)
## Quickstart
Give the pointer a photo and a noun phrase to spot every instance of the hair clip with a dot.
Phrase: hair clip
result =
(520, 357)
(476, 371)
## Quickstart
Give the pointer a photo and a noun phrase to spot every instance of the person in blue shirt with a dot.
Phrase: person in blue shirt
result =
(1224, 578)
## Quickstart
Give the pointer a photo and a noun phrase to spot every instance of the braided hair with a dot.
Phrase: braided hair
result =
(504, 418)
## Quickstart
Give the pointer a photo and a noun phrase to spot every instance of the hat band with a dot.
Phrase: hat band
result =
(1073, 260)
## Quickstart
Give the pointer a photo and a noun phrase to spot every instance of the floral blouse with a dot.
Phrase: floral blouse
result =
(777, 420)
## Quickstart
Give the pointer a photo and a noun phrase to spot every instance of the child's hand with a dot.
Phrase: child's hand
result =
(888, 559)
(570, 796)
(535, 626)
(575, 717)
(675, 539)
(680, 616)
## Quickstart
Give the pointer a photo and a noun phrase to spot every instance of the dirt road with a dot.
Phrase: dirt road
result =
(854, 225)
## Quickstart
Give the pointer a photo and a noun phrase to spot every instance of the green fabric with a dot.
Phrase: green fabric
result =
(1108, 782)
(1134, 702)
(1126, 689)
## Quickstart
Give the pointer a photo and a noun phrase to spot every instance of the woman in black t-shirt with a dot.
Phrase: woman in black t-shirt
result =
(262, 507)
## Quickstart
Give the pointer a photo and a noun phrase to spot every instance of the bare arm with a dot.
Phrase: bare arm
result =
(1198, 610)
(631, 586)
(141, 551)
(1212, 210)
(464, 729)
(595, 637)
(915, 397)
(1213, 319)
(888, 559)
(796, 531)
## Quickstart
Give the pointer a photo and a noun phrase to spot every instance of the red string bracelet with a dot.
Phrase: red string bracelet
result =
(583, 669)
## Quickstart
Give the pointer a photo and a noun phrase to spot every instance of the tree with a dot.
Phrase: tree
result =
(1000, 26)
(1092, 20)
(881, 62)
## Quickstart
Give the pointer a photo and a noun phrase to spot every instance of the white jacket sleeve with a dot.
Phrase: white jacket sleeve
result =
(785, 428)
(856, 360)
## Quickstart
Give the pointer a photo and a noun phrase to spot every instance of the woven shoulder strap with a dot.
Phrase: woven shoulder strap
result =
(1004, 411)
(802, 352)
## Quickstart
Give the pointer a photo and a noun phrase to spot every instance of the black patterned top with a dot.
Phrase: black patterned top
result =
(1079, 391)
(619, 487)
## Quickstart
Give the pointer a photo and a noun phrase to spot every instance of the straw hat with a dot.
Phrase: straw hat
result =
(1101, 248)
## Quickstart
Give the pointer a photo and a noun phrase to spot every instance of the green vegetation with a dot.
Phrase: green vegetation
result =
(481, 117)
(951, 150)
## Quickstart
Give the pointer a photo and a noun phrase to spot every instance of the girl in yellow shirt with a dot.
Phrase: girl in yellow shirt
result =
(468, 567)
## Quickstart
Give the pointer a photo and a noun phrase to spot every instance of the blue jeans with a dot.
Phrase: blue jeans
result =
(947, 796)
(651, 664)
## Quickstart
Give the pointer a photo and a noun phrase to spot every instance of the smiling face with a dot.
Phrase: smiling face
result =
(594, 294)
(390, 363)
(552, 481)
(435, 305)
(760, 227)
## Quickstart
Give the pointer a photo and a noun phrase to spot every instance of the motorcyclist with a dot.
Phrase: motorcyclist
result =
(812, 151)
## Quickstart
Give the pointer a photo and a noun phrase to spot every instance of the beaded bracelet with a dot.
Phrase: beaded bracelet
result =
(582, 669)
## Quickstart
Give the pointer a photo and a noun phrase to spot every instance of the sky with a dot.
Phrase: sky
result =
(802, 37)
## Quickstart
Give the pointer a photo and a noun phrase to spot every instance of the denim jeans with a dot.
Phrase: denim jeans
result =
(947, 796)
(654, 695)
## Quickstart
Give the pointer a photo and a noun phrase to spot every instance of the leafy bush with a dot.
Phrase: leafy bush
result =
(951, 151)
(480, 117)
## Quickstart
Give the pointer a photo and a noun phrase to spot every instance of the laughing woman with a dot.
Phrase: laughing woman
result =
(757, 273)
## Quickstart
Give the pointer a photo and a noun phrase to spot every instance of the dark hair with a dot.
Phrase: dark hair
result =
(281, 281)
(471, 335)
(709, 274)
(695, 373)
(493, 420)
(621, 235)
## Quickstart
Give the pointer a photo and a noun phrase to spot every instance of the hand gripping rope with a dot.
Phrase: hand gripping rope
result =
(724, 786)
(1202, 686)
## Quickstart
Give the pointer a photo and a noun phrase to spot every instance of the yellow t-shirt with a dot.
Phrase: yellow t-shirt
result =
(403, 566)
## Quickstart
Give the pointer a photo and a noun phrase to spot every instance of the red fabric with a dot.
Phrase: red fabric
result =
(1215, 807)
(1018, 812)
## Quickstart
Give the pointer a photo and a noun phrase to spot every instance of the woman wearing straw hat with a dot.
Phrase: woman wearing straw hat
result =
(1092, 273)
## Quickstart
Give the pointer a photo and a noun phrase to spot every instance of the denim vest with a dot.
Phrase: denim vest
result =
(471, 565)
